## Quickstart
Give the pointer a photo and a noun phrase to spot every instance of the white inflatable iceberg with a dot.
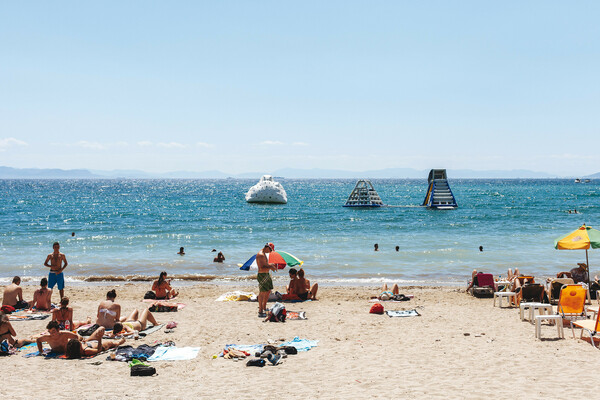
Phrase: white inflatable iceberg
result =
(267, 191)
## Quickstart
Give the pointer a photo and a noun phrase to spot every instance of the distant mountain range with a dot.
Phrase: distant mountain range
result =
(292, 173)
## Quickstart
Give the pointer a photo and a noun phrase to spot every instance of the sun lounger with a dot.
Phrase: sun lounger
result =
(483, 285)
(555, 287)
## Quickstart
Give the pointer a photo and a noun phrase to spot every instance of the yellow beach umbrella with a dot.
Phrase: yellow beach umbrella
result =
(580, 239)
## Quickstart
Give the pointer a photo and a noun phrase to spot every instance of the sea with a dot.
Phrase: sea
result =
(113, 230)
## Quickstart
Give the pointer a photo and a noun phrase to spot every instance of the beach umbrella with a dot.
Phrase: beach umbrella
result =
(580, 239)
(281, 258)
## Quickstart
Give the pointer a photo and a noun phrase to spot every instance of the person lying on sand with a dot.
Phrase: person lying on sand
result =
(56, 338)
(162, 287)
(7, 332)
(13, 295)
(41, 297)
(77, 348)
(109, 311)
(64, 314)
(134, 322)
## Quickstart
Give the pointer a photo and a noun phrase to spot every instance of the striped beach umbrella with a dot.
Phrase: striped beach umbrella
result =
(281, 258)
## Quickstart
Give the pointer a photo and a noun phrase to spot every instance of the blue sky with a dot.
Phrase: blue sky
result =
(257, 86)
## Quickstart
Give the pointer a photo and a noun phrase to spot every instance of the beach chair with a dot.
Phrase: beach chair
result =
(555, 287)
(571, 306)
(591, 326)
(483, 285)
(531, 297)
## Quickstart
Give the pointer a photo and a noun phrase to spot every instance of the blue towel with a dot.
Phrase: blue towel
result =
(172, 353)
(301, 344)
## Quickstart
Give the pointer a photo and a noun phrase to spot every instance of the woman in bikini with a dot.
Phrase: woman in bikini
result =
(65, 313)
(7, 332)
(109, 312)
(162, 288)
(134, 322)
(91, 346)
(303, 288)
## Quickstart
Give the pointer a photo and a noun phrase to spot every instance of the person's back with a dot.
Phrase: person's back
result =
(42, 297)
(161, 289)
(12, 294)
(109, 311)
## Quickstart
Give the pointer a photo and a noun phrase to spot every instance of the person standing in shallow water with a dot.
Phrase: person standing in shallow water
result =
(57, 262)
(181, 252)
(376, 247)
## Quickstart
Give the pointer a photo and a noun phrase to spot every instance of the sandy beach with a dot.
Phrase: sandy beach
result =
(460, 347)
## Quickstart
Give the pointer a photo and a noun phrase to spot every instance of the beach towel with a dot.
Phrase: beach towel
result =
(27, 317)
(248, 348)
(237, 296)
(142, 352)
(165, 306)
(48, 353)
(375, 299)
(172, 353)
(296, 315)
(405, 313)
(301, 344)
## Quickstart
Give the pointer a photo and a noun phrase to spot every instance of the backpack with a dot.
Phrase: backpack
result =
(377, 308)
(142, 370)
(277, 313)
(150, 295)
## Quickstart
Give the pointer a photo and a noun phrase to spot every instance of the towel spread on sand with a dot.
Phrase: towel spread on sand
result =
(27, 317)
(295, 315)
(301, 344)
(172, 353)
(248, 348)
(237, 296)
(147, 331)
(405, 313)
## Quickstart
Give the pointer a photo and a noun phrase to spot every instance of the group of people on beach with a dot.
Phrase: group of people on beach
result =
(299, 287)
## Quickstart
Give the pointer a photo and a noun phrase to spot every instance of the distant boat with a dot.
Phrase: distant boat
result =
(577, 180)
(267, 191)
(587, 181)
(364, 195)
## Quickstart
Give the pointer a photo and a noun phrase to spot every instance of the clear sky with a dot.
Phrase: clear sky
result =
(260, 85)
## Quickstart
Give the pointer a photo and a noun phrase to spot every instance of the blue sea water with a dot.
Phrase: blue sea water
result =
(135, 228)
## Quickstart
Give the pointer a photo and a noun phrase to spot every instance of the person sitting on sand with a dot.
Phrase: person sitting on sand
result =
(293, 278)
(7, 332)
(109, 311)
(578, 274)
(219, 258)
(41, 297)
(134, 322)
(64, 314)
(162, 287)
(13, 295)
(303, 289)
(56, 338)
(77, 348)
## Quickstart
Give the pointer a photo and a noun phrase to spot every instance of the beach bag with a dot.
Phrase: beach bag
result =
(142, 370)
(4, 348)
(257, 362)
(377, 308)
(289, 349)
(277, 313)
(150, 295)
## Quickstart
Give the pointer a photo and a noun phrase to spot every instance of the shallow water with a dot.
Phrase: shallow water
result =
(135, 228)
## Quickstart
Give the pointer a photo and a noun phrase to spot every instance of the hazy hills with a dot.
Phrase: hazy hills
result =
(292, 173)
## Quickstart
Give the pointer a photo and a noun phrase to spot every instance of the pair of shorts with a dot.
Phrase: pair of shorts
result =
(56, 279)
(265, 283)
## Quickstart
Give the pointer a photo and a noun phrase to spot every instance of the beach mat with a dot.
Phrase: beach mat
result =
(172, 353)
(295, 315)
(403, 313)
(28, 317)
(164, 306)
(376, 300)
